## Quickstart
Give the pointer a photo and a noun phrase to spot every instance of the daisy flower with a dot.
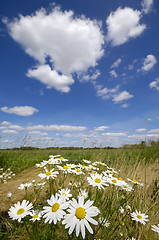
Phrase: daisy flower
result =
(65, 168)
(25, 185)
(65, 193)
(135, 182)
(79, 216)
(83, 193)
(86, 161)
(42, 164)
(97, 180)
(48, 174)
(114, 181)
(9, 195)
(139, 217)
(20, 210)
(36, 215)
(40, 185)
(55, 211)
(100, 163)
(104, 222)
(78, 171)
(73, 184)
(155, 228)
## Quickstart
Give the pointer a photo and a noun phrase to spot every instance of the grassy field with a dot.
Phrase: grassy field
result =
(114, 203)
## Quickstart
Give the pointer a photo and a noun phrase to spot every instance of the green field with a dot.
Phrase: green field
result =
(140, 163)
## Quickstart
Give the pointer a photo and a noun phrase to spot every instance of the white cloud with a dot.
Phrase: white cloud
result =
(113, 74)
(141, 130)
(124, 95)
(5, 123)
(106, 93)
(155, 84)
(116, 63)
(154, 131)
(38, 133)
(64, 128)
(16, 127)
(91, 77)
(101, 128)
(120, 134)
(68, 135)
(123, 24)
(24, 111)
(149, 62)
(125, 105)
(51, 78)
(3, 127)
(70, 44)
(10, 131)
(146, 5)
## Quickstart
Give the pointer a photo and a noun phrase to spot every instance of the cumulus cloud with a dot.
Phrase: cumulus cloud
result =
(149, 62)
(101, 128)
(125, 105)
(64, 128)
(116, 63)
(24, 111)
(5, 123)
(155, 84)
(154, 131)
(113, 74)
(10, 131)
(38, 133)
(124, 24)
(70, 44)
(16, 127)
(120, 134)
(51, 78)
(146, 5)
(106, 93)
(122, 96)
(141, 130)
(90, 77)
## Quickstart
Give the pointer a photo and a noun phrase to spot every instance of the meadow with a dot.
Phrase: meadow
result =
(80, 193)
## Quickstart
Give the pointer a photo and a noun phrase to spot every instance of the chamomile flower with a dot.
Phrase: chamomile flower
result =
(66, 193)
(83, 193)
(55, 211)
(65, 168)
(97, 180)
(114, 181)
(40, 185)
(135, 182)
(25, 185)
(99, 163)
(127, 187)
(36, 215)
(155, 228)
(86, 161)
(9, 195)
(78, 171)
(79, 216)
(42, 164)
(139, 217)
(104, 222)
(48, 174)
(20, 210)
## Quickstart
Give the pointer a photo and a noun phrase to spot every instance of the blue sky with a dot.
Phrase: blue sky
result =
(79, 73)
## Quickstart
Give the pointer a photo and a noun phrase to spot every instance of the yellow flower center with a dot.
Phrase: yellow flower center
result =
(83, 166)
(112, 171)
(134, 181)
(114, 181)
(48, 173)
(65, 167)
(41, 165)
(61, 158)
(35, 216)
(64, 194)
(90, 169)
(49, 161)
(78, 170)
(97, 180)
(55, 155)
(125, 186)
(120, 179)
(100, 162)
(139, 217)
(55, 207)
(80, 213)
(20, 211)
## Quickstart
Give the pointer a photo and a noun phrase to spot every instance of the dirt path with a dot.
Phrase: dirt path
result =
(12, 186)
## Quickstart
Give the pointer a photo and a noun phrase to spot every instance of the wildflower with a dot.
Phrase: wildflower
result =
(73, 184)
(155, 228)
(42, 164)
(121, 209)
(135, 182)
(86, 161)
(79, 216)
(97, 180)
(65, 168)
(48, 174)
(139, 217)
(114, 181)
(9, 195)
(40, 185)
(65, 193)
(36, 215)
(83, 193)
(78, 171)
(100, 163)
(104, 222)
(25, 185)
(55, 211)
(19, 211)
